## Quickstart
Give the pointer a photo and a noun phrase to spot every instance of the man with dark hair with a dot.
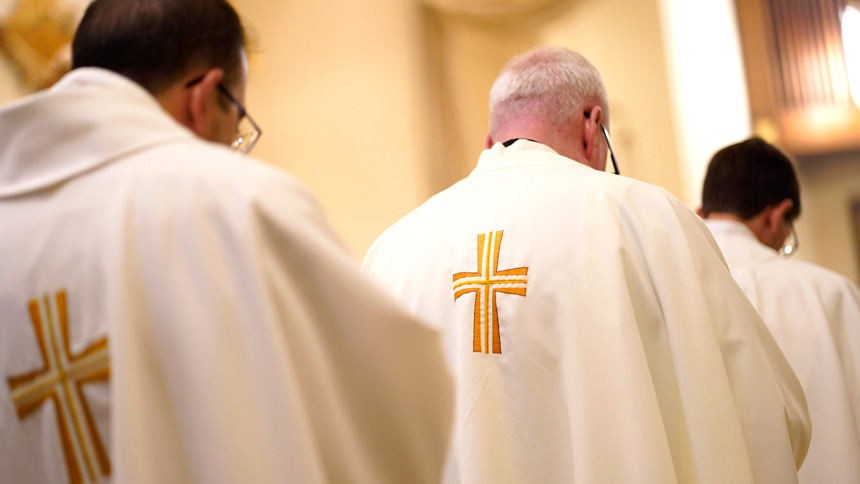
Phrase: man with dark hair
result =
(173, 312)
(755, 182)
(594, 332)
(750, 200)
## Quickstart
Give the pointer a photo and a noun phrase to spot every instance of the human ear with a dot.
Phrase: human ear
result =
(781, 210)
(593, 118)
(202, 100)
(775, 223)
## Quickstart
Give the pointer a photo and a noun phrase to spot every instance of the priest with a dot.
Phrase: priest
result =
(593, 329)
(174, 312)
(750, 200)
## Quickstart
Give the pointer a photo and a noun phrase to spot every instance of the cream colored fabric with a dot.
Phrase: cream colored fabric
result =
(244, 344)
(626, 351)
(814, 315)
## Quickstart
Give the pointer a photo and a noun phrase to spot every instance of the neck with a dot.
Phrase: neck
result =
(527, 126)
(173, 100)
(725, 216)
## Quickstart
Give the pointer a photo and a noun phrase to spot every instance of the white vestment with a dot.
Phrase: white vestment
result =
(594, 331)
(173, 312)
(814, 315)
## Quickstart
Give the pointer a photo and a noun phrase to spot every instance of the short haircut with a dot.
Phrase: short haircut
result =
(551, 82)
(157, 42)
(745, 178)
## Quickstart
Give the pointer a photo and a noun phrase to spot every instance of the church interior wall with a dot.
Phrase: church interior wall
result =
(336, 87)
(829, 184)
(377, 104)
(462, 56)
(706, 80)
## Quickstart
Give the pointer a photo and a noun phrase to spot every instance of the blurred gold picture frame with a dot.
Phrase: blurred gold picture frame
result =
(36, 36)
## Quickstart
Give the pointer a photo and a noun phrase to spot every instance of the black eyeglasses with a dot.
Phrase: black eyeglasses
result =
(247, 131)
(611, 152)
(608, 143)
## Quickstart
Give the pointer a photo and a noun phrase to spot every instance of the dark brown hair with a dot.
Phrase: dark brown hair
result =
(156, 42)
(747, 177)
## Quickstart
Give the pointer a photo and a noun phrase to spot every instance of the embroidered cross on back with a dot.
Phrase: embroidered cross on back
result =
(486, 283)
(59, 382)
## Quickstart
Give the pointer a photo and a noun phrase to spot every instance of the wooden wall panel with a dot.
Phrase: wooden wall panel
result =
(796, 74)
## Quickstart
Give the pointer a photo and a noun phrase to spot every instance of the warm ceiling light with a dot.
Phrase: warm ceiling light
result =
(851, 46)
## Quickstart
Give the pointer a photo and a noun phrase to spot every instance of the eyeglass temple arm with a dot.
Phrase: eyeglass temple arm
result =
(611, 152)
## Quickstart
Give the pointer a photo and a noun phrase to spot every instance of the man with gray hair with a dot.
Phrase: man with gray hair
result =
(593, 329)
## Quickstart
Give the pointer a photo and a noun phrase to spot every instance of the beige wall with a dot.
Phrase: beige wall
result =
(462, 57)
(707, 83)
(336, 87)
(828, 186)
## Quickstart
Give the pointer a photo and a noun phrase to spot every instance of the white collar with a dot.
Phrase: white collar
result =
(522, 152)
(739, 233)
(90, 117)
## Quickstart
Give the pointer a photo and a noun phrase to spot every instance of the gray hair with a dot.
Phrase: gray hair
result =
(552, 82)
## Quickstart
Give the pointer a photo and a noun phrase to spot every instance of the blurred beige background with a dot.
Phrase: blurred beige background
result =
(378, 104)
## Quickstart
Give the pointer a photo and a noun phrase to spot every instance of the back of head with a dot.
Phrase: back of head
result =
(156, 42)
(550, 82)
(745, 178)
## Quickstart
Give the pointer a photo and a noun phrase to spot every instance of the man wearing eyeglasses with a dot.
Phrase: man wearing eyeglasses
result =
(750, 199)
(174, 312)
(594, 333)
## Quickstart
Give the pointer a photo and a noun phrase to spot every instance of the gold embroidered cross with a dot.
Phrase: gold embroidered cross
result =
(485, 283)
(60, 380)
